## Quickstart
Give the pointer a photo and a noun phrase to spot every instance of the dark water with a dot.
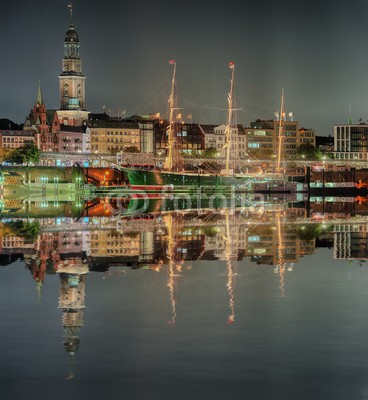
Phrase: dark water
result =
(240, 308)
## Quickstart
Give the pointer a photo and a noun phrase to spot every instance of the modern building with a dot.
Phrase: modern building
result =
(351, 142)
(148, 125)
(263, 138)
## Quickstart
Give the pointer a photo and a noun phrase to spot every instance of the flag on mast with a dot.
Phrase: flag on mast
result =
(231, 65)
(171, 62)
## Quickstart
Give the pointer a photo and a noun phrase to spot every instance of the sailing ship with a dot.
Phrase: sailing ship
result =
(173, 175)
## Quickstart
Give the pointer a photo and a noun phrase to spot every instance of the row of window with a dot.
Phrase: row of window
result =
(121, 133)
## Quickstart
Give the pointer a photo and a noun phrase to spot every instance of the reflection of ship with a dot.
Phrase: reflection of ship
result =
(143, 203)
(280, 244)
(231, 253)
(173, 175)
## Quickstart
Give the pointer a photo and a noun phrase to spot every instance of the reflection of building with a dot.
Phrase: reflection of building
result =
(215, 241)
(264, 243)
(15, 245)
(109, 243)
(350, 242)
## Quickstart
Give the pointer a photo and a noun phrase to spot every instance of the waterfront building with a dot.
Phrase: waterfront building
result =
(148, 125)
(261, 141)
(189, 136)
(215, 138)
(72, 82)
(74, 139)
(262, 138)
(11, 139)
(351, 142)
(113, 136)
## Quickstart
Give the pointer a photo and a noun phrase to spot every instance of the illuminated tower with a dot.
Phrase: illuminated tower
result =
(72, 81)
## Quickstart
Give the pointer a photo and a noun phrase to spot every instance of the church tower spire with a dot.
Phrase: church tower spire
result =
(70, 6)
(39, 99)
(72, 80)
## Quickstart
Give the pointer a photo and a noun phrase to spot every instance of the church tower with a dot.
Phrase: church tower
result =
(72, 81)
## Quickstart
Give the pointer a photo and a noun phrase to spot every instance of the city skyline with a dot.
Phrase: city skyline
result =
(302, 47)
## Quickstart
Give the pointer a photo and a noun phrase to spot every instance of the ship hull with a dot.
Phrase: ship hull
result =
(158, 180)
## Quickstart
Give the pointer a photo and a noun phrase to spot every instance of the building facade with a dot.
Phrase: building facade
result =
(263, 138)
(15, 139)
(112, 136)
(215, 138)
(351, 142)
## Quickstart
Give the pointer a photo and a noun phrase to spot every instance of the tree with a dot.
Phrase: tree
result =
(309, 152)
(310, 232)
(27, 229)
(30, 152)
(4, 153)
(14, 157)
(210, 152)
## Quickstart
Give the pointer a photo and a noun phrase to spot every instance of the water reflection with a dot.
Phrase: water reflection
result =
(172, 244)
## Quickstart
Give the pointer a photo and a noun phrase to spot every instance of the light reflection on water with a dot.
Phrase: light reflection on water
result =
(185, 305)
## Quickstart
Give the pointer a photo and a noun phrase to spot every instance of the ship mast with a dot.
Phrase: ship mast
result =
(171, 134)
(280, 132)
(230, 119)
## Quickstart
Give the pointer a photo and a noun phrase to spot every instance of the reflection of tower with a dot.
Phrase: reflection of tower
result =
(72, 302)
(44, 259)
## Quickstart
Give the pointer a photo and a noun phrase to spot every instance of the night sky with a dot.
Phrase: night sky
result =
(316, 50)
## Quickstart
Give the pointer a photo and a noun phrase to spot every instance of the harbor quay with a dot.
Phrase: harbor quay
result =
(113, 177)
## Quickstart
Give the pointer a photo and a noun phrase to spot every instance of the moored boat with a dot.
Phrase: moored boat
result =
(173, 177)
